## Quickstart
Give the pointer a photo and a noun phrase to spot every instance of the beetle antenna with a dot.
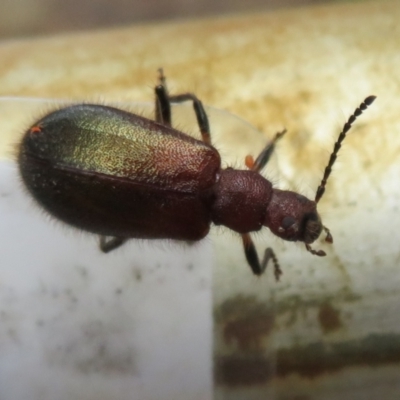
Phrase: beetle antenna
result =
(363, 106)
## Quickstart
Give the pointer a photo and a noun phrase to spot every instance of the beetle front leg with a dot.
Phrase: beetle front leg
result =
(110, 244)
(253, 260)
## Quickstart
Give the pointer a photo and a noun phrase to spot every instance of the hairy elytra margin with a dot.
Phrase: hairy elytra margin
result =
(122, 176)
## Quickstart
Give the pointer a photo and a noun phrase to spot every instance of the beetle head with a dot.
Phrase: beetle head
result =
(293, 217)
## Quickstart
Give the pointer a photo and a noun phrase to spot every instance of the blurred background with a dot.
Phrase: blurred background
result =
(24, 18)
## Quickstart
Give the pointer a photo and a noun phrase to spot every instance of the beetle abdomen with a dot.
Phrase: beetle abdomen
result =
(113, 173)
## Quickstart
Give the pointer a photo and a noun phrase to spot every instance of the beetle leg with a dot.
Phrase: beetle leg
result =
(110, 244)
(263, 158)
(163, 104)
(163, 107)
(329, 237)
(201, 114)
(253, 260)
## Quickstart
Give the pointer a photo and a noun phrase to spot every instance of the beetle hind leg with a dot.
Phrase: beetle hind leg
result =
(253, 260)
(163, 107)
(201, 115)
(163, 104)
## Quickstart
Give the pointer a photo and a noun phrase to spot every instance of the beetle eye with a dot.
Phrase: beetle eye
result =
(287, 222)
(289, 228)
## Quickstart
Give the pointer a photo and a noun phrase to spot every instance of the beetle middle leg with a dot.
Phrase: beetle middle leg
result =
(163, 107)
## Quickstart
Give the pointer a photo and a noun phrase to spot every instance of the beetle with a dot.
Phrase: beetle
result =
(121, 176)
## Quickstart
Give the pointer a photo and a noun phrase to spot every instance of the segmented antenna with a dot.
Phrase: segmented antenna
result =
(363, 106)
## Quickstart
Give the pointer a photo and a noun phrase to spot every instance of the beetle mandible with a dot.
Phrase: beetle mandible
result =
(123, 176)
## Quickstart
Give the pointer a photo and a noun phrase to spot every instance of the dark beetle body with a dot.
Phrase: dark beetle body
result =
(114, 173)
(83, 161)
(120, 175)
